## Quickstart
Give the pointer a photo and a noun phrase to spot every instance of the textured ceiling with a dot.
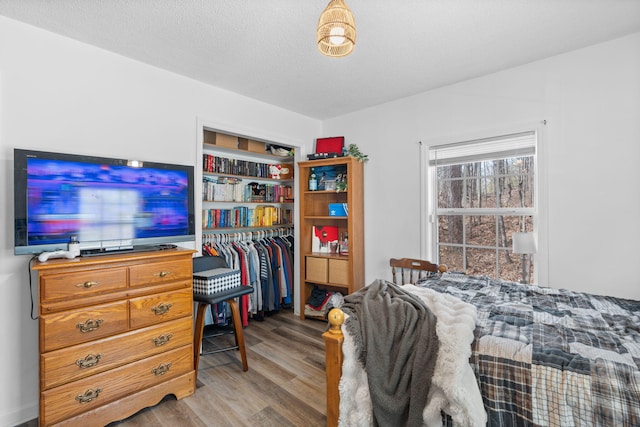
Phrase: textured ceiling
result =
(265, 49)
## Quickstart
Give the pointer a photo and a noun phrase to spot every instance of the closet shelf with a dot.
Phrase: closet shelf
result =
(253, 178)
(240, 229)
(290, 202)
(233, 152)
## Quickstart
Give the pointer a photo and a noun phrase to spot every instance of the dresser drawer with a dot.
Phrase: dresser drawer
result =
(56, 286)
(89, 393)
(82, 360)
(86, 324)
(152, 309)
(159, 272)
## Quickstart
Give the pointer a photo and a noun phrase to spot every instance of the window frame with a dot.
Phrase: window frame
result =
(429, 194)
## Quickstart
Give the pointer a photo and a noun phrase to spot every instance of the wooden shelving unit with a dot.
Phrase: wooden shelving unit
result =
(329, 271)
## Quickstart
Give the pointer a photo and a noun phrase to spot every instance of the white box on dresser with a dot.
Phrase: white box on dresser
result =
(116, 335)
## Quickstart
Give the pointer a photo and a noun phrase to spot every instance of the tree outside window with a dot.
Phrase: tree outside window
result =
(485, 193)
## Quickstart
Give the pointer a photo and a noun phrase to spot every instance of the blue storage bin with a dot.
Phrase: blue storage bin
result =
(338, 209)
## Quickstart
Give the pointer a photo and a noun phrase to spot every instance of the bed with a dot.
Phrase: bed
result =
(526, 356)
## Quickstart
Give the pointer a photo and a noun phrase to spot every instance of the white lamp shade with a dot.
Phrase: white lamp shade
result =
(524, 243)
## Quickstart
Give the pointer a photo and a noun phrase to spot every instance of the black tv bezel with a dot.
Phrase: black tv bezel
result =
(21, 245)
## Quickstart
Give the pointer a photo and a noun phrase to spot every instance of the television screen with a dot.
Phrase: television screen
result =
(107, 204)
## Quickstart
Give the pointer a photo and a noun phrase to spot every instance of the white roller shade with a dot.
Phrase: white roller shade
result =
(514, 145)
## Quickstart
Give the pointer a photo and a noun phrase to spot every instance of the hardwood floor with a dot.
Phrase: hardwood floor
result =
(284, 386)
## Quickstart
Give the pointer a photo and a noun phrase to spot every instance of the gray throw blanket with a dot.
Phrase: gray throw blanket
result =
(395, 339)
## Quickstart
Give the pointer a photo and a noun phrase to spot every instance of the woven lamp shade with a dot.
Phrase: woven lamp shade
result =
(336, 33)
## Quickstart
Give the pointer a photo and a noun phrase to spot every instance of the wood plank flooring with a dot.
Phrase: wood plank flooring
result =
(284, 386)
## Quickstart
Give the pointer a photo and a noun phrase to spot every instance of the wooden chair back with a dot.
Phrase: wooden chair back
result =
(408, 270)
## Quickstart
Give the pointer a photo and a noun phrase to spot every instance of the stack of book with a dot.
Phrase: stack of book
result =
(216, 164)
(226, 189)
(243, 216)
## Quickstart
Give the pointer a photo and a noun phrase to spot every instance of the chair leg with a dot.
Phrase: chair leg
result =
(237, 326)
(198, 332)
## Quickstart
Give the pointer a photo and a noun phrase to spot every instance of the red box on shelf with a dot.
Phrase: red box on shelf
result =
(333, 144)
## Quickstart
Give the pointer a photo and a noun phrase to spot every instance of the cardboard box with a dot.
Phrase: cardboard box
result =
(220, 139)
(251, 145)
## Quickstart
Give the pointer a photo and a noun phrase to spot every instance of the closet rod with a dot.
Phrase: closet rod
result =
(243, 236)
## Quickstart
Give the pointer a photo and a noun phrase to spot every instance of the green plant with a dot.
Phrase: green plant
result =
(354, 151)
(341, 185)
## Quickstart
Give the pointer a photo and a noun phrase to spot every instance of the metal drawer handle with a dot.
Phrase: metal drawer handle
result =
(162, 369)
(161, 308)
(88, 395)
(162, 339)
(89, 361)
(163, 273)
(89, 325)
(87, 284)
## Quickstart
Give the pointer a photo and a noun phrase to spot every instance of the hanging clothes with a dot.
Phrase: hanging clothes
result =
(265, 261)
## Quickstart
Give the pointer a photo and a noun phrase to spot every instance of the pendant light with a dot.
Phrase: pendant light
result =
(336, 35)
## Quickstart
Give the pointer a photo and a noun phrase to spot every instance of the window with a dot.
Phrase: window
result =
(483, 191)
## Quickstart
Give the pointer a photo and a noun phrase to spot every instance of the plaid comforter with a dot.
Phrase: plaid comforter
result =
(549, 357)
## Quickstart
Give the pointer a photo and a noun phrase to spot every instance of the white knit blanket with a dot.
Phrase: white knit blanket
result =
(454, 389)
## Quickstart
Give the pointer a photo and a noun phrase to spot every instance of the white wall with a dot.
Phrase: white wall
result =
(591, 99)
(60, 95)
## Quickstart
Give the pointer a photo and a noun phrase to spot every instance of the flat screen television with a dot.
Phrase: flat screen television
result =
(106, 204)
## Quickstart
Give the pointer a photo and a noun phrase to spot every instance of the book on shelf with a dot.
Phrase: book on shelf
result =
(324, 239)
(230, 189)
(288, 193)
(258, 192)
(243, 216)
(216, 164)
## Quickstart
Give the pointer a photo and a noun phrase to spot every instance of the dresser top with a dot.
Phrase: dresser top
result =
(111, 259)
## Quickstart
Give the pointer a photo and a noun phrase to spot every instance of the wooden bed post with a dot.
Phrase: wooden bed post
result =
(333, 339)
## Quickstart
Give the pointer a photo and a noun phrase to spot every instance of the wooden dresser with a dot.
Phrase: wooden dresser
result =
(116, 335)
